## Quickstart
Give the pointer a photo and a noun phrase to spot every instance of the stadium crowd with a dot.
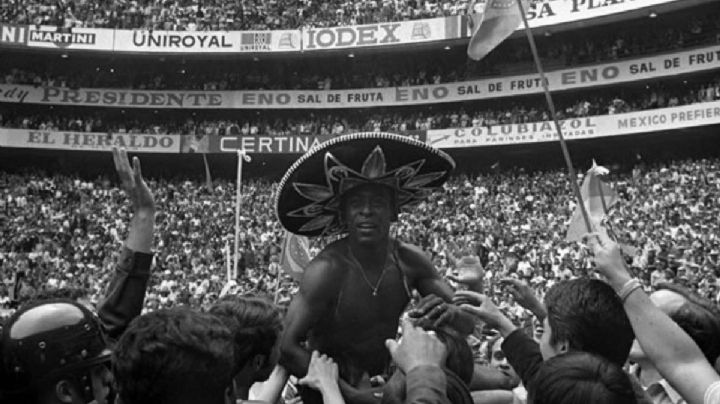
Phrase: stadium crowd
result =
(216, 15)
(558, 51)
(500, 233)
(152, 310)
(63, 232)
(606, 102)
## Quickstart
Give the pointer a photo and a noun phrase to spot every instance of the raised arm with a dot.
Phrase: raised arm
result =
(125, 293)
(436, 307)
(671, 350)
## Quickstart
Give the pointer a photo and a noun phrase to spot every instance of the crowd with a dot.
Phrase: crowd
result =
(370, 71)
(66, 235)
(63, 232)
(216, 15)
(607, 102)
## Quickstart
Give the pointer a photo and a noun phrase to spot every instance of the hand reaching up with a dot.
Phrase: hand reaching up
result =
(132, 181)
(322, 376)
(416, 348)
(483, 308)
(608, 259)
(525, 296)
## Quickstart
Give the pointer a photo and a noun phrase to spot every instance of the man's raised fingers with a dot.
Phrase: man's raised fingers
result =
(116, 158)
(124, 159)
(137, 169)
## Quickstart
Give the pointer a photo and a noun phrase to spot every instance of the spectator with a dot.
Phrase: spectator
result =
(581, 377)
(54, 351)
(174, 356)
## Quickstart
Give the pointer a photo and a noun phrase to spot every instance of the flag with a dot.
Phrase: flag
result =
(494, 25)
(598, 197)
(255, 41)
(295, 255)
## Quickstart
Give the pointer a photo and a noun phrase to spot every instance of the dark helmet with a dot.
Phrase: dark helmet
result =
(48, 339)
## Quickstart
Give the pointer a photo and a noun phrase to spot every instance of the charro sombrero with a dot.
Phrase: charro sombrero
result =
(308, 197)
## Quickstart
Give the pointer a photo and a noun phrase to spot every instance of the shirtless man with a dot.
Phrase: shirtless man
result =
(353, 293)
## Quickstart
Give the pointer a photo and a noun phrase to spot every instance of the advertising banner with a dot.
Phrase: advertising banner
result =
(13, 35)
(265, 144)
(207, 41)
(655, 120)
(88, 141)
(546, 13)
(691, 61)
(66, 38)
(579, 128)
(380, 34)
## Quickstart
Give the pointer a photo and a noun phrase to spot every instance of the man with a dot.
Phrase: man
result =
(55, 352)
(517, 394)
(353, 292)
(174, 356)
(673, 352)
(582, 315)
(256, 325)
(698, 317)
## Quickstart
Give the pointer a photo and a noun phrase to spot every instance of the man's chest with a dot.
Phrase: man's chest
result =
(366, 300)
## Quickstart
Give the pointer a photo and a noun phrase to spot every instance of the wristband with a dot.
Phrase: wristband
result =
(629, 287)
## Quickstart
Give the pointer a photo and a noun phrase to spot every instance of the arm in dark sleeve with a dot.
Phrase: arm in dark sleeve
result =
(426, 385)
(125, 294)
(524, 355)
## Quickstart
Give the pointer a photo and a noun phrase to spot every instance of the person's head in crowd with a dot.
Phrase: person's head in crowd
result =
(174, 356)
(460, 357)
(580, 377)
(458, 369)
(54, 351)
(498, 360)
(256, 325)
(586, 315)
(697, 316)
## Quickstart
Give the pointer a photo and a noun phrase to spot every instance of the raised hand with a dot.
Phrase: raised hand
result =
(416, 348)
(525, 296)
(322, 372)
(608, 258)
(470, 273)
(433, 312)
(483, 308)
(132, 181)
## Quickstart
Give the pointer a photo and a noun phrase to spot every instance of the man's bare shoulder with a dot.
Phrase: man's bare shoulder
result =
(326, 270)
(416, 262)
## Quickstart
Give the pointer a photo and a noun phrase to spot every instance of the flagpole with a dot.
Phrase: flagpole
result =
(208, 177)
(280, 264)
(551, 106)
(238, 196)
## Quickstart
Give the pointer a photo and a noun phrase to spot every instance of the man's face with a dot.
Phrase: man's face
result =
(547, 349)
(668, 302)
(368, 211)
(101, 380)
(499, 361)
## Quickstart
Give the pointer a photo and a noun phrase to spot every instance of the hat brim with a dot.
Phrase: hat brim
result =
(308, 197)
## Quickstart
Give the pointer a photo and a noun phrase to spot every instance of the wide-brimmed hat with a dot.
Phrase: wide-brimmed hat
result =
(308, 197)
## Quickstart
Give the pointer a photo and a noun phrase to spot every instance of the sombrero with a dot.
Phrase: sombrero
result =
(308, 197)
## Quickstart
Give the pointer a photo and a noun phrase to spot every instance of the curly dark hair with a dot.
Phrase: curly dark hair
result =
(588, 314)
(174, 356)
(256, 324)
(699, 318)
(580, 377)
